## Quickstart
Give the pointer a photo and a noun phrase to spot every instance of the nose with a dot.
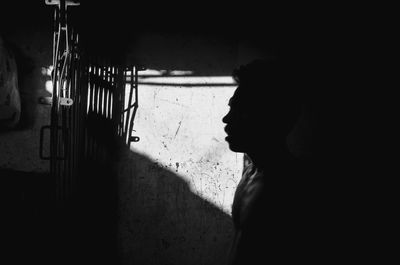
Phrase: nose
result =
(226, 118)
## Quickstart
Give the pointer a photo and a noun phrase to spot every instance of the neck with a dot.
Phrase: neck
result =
(270, 156)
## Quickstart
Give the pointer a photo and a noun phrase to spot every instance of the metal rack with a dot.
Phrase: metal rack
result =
(94, 104)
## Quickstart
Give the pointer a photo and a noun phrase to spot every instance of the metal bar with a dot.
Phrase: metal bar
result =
(91, 86)
(117, 118)
(136, 105)
(62, 7)
(72, 116)
(75, 117)
(95, 88)
(54, 108)
(120, 96)
(101, 93)
(108, 91)
(111, 93)
(128, 114)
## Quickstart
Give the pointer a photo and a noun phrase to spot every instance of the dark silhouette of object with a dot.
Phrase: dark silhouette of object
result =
(269, 210)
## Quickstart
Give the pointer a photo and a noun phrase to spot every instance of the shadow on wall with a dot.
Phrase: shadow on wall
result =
(161, 220)
(131, 210)
(25, 200)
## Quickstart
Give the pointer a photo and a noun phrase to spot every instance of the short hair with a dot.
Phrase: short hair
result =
(258, 72)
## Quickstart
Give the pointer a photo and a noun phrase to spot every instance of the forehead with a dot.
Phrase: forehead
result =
(234, 99)
(241, 97)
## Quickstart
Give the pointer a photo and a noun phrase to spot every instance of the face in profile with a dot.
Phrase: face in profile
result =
(257, 121)
(240, 124)
(263, 108)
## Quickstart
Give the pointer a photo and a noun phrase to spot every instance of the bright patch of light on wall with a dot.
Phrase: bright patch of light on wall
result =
(49, 86)
(46, 72)
(179, 121)
(182, 78)
(179, 72)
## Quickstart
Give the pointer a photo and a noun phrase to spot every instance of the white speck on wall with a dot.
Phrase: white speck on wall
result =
(179, 122)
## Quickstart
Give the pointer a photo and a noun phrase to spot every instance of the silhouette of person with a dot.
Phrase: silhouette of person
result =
(266, 207)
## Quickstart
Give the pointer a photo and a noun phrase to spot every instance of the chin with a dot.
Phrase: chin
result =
(235, 149)
(233, 145)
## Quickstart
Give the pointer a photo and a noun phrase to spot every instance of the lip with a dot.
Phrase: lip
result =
(228, 135)
(230, 138)
(228, 131)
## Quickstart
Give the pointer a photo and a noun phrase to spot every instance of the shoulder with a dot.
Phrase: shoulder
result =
(248, 196)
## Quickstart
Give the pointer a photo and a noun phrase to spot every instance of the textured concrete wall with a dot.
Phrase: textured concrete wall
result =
(177, 183)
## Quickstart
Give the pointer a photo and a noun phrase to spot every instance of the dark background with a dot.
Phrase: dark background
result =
(343, 58)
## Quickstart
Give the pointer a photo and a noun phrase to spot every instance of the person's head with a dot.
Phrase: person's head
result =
(264, 107)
